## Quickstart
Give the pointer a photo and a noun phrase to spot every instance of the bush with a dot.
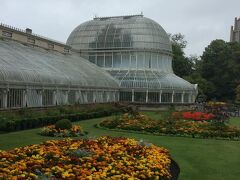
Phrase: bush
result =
(63, 124)
(33, 118)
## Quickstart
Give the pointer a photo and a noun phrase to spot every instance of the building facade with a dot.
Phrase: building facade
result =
(235, 31)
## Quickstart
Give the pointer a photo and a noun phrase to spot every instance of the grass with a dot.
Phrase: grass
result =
(235, 121)
(199, 159)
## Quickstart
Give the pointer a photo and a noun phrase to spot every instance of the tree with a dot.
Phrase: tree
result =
(182, 66)
(204, 87)
(178, 39)
(220, 65)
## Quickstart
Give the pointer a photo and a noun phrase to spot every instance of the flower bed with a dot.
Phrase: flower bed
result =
(102, 158)
(174, 126)
(196, 116)
(51, 130)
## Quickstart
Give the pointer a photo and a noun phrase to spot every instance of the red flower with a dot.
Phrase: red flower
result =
(197, 116)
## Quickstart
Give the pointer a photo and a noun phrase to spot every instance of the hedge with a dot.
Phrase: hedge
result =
(8, 125)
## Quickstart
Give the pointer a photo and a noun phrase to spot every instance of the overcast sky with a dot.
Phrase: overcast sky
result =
(201, 21)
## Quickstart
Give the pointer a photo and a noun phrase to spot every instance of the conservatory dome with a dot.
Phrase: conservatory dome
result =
(134, 32)
(137, 52)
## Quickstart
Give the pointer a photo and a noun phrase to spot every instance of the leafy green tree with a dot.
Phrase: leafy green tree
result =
(182, 65)
(204, 86)
(220, 66)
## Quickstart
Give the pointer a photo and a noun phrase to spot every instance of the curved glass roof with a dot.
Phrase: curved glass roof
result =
(151, 80)
(131, 32)
(23, 65)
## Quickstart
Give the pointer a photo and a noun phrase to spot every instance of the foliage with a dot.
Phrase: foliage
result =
(194, 124)
(216, 104)
(216, 72)
(220, 66)
(237, 100)
(32, 118)
(102, 158)
(179, 40)
(63, 124)
(182, 66)
(53, 131)
(204, 86)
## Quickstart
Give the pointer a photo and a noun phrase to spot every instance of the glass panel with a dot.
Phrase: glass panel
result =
(108, 61)
(125, 96)
(125, 60)
(153, 96)
(1, 99)
(15, 98)
(178, 97)
(47, 97)
(166, 97)
(140, 96)
(117, 41)
(92, 59)
(104, 96)
(154, 61)
(100, 61)
(140, 60)
(84, 55)
(116, 60)
(147, 60)
(61, 97)
(72, 97)
(90, 96)
(186, 97)
(160, 64)
(109, 41)
(133, 61)
(100, 41)
(126, 40)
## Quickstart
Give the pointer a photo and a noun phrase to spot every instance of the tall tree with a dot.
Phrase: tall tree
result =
(204, 87)
(220, 65)
(182, 66)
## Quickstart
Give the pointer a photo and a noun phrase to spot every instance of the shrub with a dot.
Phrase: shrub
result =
(63, 124)
(3, 124)
(32, 118)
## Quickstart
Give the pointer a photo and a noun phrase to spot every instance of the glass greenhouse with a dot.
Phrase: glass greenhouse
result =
(35, 77)
(137, 52)
(107, 59)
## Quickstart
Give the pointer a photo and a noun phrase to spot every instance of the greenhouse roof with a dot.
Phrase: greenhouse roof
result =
(24, 65)
(151, 80)
(130, 32)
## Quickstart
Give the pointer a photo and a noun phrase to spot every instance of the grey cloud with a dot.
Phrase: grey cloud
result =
(201, 21)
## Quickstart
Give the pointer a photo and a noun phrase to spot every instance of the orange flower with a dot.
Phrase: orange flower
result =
(105, 157)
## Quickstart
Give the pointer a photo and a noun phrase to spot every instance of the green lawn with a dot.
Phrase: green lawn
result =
(206, 159)
(235, 121)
